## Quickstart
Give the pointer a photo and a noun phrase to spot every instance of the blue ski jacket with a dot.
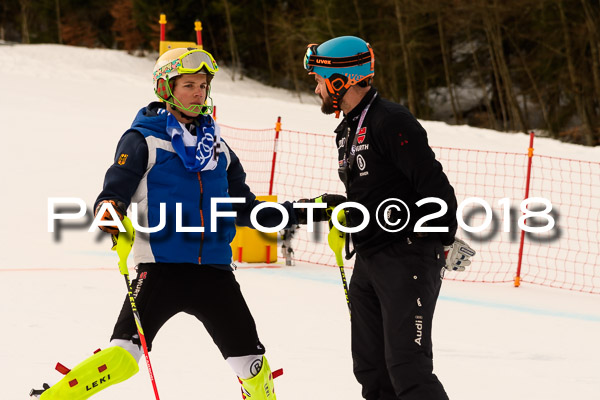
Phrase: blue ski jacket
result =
(149, 173)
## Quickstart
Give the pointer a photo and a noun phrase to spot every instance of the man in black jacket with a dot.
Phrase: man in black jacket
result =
(388, 167)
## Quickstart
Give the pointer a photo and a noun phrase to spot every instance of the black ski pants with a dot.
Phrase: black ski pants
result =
(212, 295)
(393, 295)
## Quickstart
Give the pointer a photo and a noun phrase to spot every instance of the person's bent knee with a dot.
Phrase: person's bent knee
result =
(134, 349)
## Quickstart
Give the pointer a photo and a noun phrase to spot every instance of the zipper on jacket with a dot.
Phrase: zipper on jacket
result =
(201, 219)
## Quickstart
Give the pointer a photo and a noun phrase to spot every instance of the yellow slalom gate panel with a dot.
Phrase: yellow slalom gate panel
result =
(168, 45)
(251, 245)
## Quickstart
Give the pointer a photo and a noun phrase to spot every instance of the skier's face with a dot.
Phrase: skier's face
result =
(191, 89)
(321, 90)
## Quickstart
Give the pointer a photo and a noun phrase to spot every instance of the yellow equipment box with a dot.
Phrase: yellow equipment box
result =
(253, 246)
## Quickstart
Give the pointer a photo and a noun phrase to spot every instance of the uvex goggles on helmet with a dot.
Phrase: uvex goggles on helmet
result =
(312, 59)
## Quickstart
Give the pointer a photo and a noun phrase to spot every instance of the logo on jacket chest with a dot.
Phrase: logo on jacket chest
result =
(362, 133)
(361, 163)
(359, 148)
(360, 142)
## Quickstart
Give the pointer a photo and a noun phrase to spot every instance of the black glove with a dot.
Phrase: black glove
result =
(319, 214)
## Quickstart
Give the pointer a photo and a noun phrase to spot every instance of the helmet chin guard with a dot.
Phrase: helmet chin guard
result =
(337, 86)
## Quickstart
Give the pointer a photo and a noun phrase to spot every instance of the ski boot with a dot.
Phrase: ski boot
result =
(260, 386)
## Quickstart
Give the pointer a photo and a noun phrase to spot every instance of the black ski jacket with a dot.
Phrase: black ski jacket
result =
(389, 158)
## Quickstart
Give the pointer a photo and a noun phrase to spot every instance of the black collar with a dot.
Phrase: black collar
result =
(355, 113)
(352, 117)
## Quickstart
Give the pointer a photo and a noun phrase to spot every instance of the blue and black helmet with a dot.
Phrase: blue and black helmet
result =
(343, 62)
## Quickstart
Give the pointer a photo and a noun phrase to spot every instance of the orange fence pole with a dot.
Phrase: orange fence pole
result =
(530, 155)
(277, 130)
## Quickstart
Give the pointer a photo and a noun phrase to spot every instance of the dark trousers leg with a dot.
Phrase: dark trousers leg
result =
(405, 278)
(150, 295)
(221, 307)
(368, 352)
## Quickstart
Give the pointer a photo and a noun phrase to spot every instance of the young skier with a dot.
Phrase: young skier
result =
(170, 164)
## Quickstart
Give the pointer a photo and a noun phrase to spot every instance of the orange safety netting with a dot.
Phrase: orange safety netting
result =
(564, 257)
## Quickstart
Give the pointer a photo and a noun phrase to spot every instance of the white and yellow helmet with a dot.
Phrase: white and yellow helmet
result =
(181, 61)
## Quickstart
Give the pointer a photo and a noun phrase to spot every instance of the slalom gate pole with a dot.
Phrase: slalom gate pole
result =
(198, 29)
(517, 282)
(122, 244)
(162, 21)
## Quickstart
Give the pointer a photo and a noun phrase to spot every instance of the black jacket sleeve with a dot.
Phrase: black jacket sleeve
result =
(129, 166)
(406, 145)
(268, 217)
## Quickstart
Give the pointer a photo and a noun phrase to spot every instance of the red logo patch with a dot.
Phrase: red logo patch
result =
(361, 135)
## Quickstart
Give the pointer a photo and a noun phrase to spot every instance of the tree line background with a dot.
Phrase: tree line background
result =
(509, 65)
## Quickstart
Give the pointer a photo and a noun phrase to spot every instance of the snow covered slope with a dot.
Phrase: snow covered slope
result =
(62, 111)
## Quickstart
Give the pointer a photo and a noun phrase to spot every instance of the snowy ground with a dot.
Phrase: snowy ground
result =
(491, 342)
(62, 111)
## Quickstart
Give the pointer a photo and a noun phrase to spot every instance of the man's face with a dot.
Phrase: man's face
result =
(321, 90)
(191, 89)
